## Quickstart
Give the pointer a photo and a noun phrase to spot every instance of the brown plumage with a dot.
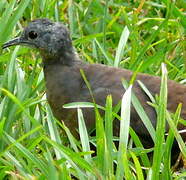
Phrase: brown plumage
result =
(65, 84)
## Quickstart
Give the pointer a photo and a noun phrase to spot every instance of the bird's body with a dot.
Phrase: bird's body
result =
(65, 84)
(72, 88)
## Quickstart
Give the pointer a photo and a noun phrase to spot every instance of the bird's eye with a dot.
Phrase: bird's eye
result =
(32, 35)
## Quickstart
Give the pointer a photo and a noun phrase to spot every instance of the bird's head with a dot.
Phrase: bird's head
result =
(52, 39)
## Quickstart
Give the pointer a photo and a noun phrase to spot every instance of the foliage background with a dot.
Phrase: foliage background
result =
(31, 145)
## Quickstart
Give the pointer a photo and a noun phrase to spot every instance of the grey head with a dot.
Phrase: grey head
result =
(52, 39)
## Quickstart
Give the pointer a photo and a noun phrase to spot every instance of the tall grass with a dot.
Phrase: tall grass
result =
(137, 35)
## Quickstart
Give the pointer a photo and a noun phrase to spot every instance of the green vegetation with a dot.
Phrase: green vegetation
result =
(137, 35)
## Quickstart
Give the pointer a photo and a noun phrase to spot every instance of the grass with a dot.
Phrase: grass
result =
(137, 35)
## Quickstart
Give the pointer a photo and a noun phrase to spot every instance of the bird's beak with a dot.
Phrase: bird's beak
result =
(15, 41)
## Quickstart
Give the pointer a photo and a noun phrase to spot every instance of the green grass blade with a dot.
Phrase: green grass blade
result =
(83, 135)
(123, 163)
(143, 50)
(139, 171)
(121, 46)
(13, 19)
(54, 134)
(74, 159)
(166, 174)
(109, 136)
(160, 127)
(38, 162)
(142, 114)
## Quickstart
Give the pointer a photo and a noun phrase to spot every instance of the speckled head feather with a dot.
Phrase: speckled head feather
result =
(52, 39)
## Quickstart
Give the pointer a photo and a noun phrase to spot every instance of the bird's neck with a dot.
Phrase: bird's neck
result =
(66, 59)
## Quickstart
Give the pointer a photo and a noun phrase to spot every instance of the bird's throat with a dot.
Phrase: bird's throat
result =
(65, 59)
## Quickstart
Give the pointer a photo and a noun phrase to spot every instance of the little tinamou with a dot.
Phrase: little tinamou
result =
(64, 83)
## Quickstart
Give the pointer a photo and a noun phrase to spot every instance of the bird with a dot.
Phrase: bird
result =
(65, 84)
